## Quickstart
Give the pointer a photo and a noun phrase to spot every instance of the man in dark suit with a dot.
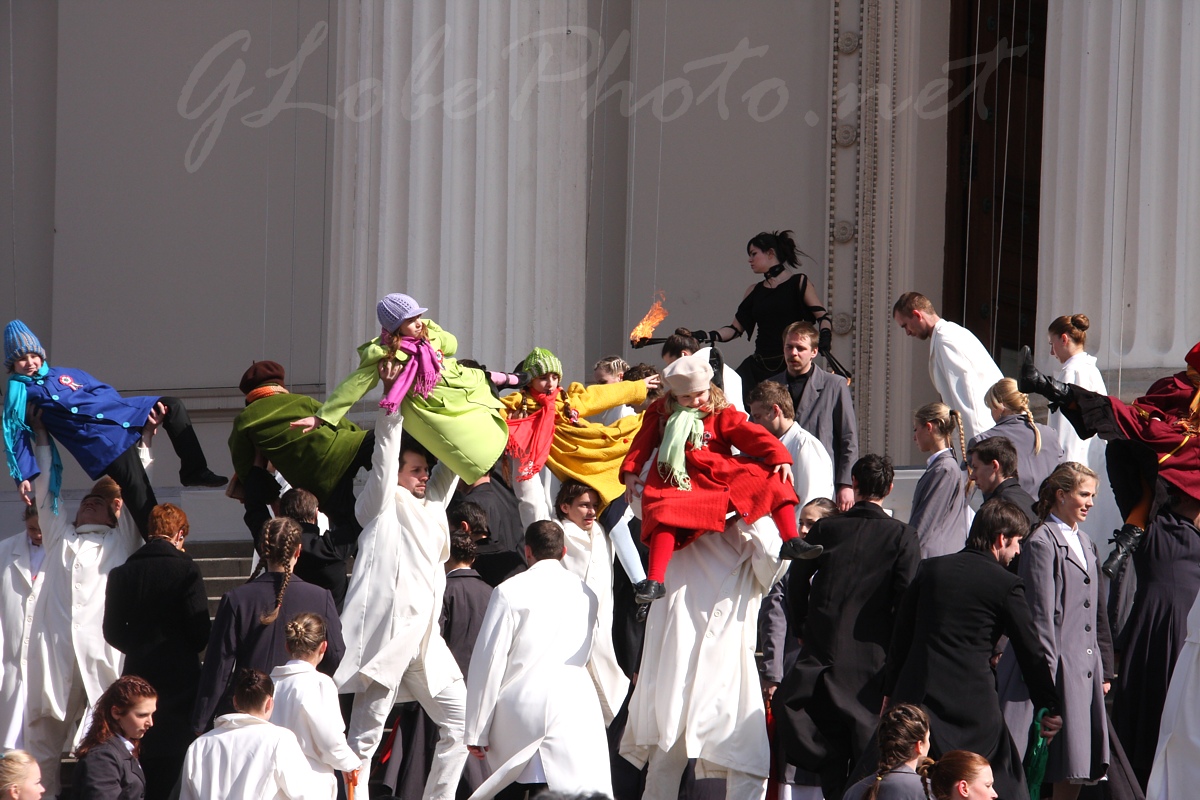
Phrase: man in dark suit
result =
(823, 405)
(844, 602)
(945, 633)
(494, 562)
(993, 464)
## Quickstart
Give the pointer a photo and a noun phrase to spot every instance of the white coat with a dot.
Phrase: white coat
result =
(19, 589)
(247, 757)
(1080, 369)
(590, 558)
(68, 634)
(306, 703)
(1176, 770)
(812, 468)
(528, 688)
(962, 371)
(394, 601)
(698, 681)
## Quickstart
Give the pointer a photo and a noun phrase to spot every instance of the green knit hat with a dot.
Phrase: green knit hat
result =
(542, 362)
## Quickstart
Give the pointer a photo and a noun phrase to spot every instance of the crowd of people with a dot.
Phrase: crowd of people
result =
(663, 583)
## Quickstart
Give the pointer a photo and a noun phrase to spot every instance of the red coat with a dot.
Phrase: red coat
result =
(1155, 420)
(721, 482)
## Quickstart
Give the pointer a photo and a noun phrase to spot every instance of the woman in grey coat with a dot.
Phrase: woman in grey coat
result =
(1059, 566)
(939, 507)
(1038, 449)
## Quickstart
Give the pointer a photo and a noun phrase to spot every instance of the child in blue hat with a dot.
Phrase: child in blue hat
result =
(97, 425)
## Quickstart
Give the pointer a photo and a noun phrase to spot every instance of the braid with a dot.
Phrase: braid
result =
(1037, 434)
(264, 552)
(901, 729)
(956, 418)
(281, 537)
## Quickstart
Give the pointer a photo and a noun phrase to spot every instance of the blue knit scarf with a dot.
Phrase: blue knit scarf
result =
(15, 427)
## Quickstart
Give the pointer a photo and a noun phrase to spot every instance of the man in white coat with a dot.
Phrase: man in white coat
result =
(394, 647)
(532, 709)
(21, 580)
(960, 366)
(812, 468)
(698, 693)
(70, 664)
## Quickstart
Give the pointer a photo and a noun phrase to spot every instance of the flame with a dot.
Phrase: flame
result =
(653, 317)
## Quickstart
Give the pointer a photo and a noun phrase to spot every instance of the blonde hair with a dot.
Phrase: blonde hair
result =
(304, 633)
(14, 767)
(1066, 478)
(1005, 396)
(944, 421)
(611, 365)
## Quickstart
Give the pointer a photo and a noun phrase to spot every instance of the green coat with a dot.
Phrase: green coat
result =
(460, 421)
(314, 461)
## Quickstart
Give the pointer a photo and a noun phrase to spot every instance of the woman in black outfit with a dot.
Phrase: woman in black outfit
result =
(108, 766)
(779, 299)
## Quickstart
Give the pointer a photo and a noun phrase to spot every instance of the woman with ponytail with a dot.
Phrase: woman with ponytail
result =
(961, 775)
(939, 507)
(903, 758)
(1038, 450)
(783, 296)
(108, 755)
(1062, 580)
(249, 630)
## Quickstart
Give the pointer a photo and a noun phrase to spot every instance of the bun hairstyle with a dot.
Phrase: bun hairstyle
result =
(901, 729)
(120, 696)
(279, 540)
(304, 633)
(14, 768)
(782, 243)
(1066, 478)
(251, 689)
(682, 339)
(944, 420)
(1073, 325)
(952, 768)
(1005, 396)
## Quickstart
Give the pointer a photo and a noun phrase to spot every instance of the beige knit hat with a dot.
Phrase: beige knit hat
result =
(688, 374)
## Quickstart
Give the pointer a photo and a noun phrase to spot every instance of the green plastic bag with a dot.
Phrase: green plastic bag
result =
(1036, 757)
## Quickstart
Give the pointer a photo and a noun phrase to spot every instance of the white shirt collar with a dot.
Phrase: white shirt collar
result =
(929, 461)
(128, 744)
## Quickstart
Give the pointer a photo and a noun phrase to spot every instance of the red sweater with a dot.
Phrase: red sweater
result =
(721, 482)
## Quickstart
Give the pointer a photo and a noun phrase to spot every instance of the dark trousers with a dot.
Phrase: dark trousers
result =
(127, 470)
(519, 791)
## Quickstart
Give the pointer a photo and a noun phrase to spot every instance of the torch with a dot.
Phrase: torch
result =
(639, 337)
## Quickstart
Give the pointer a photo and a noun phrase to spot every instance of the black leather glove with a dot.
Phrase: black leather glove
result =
(825, 340)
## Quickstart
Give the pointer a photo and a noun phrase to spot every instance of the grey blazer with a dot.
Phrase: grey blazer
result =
(939, 507)
(827, 412)
(1031, 469)
(109, 772)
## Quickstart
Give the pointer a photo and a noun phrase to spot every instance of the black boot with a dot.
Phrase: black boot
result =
(1125, 542)
(1031, 380)
(799, 549)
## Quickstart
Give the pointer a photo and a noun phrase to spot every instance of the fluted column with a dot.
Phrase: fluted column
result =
(459, 173)
(1121, 181)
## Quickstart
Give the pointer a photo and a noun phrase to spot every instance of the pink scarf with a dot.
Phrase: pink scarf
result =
(420, 374)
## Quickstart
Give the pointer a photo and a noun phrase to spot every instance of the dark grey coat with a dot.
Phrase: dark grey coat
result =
(826, 410)
(1032, 468)
(1063, 599)
(939, 507)
(109, 772)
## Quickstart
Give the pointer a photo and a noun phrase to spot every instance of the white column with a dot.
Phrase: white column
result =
(1120, 181)
(459, 173)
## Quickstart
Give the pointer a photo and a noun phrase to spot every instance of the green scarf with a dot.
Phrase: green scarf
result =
(683, 426)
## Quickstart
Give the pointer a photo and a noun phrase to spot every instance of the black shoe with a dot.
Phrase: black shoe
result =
(207, 478)
(1031, 380)
(799, 549)
(1125, 542)
(643, 611)
(648, 591)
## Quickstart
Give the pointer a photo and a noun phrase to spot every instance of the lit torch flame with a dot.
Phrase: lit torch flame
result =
(653, 317)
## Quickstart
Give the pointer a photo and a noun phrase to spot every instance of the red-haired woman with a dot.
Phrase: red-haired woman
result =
(108, 764)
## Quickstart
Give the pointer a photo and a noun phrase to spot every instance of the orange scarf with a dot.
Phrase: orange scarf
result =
(264, 391)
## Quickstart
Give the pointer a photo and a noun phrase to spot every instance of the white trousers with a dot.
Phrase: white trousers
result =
(666, 770)
(447, 709)
(47, 738)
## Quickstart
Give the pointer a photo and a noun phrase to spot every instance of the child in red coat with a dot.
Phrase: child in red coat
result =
(696, 480)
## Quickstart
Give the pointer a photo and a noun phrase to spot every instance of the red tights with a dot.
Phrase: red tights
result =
(663, 540)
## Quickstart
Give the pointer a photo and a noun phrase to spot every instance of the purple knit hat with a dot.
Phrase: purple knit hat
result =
(394, 309)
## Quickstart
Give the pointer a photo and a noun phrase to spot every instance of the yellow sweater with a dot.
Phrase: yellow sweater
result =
(588, 452)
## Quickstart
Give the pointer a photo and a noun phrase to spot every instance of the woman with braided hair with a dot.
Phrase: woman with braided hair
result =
(1038, 448)
(939, 506)
(250, 627)
(903, 758)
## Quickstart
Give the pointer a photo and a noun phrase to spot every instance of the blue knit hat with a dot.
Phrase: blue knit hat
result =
(19, 341)
(395, 308)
